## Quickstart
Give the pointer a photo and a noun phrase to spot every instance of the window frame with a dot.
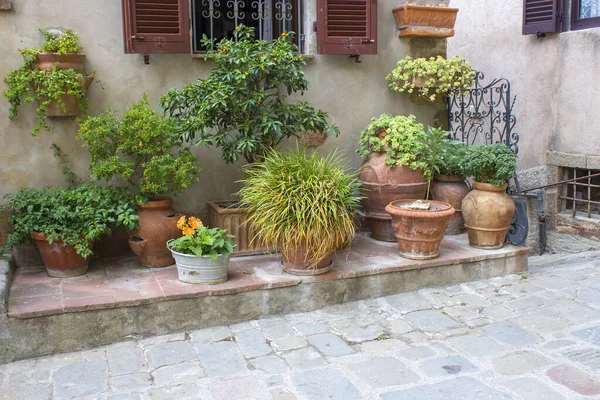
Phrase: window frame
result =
(581, 23)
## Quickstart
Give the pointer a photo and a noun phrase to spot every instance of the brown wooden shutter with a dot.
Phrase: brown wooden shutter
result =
(347, 26)
(156, 26)
(542, 16)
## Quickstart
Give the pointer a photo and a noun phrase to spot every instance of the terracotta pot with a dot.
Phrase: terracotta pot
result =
(61, 261)
(487, 210)
(65, 61)
(451, 189)
(382, 185)
(158, 225)
(419, 232)
(298, 262)
(71, 109)
(425, 21)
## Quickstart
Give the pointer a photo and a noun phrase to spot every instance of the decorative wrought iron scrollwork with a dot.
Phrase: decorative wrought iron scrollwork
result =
(284, 10)
(211, 12)
(262, 12)
(236, 13)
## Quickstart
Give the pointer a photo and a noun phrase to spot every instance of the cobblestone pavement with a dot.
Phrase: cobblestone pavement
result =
(535, 336)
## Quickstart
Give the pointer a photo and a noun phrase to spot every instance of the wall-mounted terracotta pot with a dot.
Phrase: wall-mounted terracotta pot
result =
(71, 108)
(451, 189)
(61, 261)
(65, 61)
(425, 21)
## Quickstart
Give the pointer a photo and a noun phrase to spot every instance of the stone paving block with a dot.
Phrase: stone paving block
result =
(399, 326)
(39, 391)
(125, 358)
(525, 302)
(415, 337)
(477, 322)
(532, 389)
(521, 288)
(592, 283)
(438, 297)
(382, 372)
(270, 364)
(221, 359)
(472, 300)
(325, 383)
(543, 325)
(309, 328)
(176, 392)
(377, 346)
(173, 337)
(590, 357)
(169, 353)
(416, 353)
(520, 362)
(242, 326)
(241, 388)
(461, 388)
(590, 297)
(304, 358)
(574, 379)
(476, 346)
(211, 335)
(330, 345)
(548, 282)
(510, 333)
(288, 343)
(126, 396)
(357, 329)
(252, 343)
(282, 394)
(451, 365)
(129, 382)
(83, 379)
(574, 312)
(591, 335)
(461, 313)
(408, 302)
(178, 373)
(275, 328)
(558, 344)
(431, 320)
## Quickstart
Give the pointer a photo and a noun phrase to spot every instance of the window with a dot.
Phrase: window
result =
(544, 16)
(581, 197)
(585, 14)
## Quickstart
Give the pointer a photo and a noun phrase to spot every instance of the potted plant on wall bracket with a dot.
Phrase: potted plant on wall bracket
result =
(430, 19)
(433, 78)
(242, 108)
(302, 205)
(488, 209)
(53, 76)
(419, 224)
(144, 149)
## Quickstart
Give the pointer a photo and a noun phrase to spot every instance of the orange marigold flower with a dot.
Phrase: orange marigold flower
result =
(195, 222)
(284, 34)
(187, 231)
(246, 73)
(181, 222)
(262, 66)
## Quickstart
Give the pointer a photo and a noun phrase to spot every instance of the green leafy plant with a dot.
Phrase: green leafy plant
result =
(199, 240)
(64, 165)
(431, 77)
(48, 86)
(453, 158)
(240, 107)
(294, 199)
(76, 215)
(142, 147)
(398, 136)
(493, 163)
(431, 153)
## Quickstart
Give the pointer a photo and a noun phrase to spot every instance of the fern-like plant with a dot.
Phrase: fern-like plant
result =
(492, 163)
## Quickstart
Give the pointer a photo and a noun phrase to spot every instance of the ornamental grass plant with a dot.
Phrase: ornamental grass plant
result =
(199, 240)
(299, 201)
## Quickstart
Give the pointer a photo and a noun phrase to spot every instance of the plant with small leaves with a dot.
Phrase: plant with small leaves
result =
(431, 152)
(241, 106)
(491, 163)
(453, 158)
(199, 240)
(64, 165)
(142, 147)
(65, 43)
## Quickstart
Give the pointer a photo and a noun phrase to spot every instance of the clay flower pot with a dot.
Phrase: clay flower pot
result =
(487, 210)
(419, 232)
(451, 189)
(296, 261)
(425, 21)
(71, 109)
(158, 225)
(65, 61)
(61, 261)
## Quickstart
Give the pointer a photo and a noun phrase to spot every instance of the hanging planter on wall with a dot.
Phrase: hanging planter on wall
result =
(425, 21)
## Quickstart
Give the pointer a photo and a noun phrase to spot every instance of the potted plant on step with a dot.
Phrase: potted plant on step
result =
(201, 253)
(488, 209)
(242, 107)
(53, 76)
(391, 170)
(144, 149)
(449, 184)
(65, 222)
(431, 79)
(302, 205)
(431, 19)
(419, 224)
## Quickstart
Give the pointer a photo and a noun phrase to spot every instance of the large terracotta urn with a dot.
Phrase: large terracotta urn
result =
(487, 211)
(451, 189)
(158, 225)
(61, 260)
(382, 184)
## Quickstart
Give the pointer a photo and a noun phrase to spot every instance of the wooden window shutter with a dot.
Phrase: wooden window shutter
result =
(542, 16)
(156, 26)
(347, 26)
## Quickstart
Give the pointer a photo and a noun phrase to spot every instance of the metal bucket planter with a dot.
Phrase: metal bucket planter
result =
(200, 270)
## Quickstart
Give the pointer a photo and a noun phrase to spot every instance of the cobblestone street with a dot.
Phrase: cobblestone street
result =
(535, 336)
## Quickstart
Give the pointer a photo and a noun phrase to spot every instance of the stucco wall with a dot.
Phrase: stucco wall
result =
(554, 78)
(351, 92)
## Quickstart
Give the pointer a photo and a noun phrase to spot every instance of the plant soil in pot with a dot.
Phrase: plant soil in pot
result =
(419, 232)
(451, 189)
(61, 261)
(425, 21)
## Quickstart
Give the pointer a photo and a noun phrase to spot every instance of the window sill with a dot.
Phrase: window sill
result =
(201, 55)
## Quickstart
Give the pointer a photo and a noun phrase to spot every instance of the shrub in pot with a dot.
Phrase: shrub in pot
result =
(431, 78)
(488, 209)
(53, 76)
(201, 253)
(144, 149)
(420, 225)
(65, 222)
(302, 205)
(391, 169)
(449, 183)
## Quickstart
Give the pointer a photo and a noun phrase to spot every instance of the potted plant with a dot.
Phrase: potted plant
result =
(449, 183)
(488, 209)
(419, 224)
(201, 253)
(432, 19)
(391, 170)
(65, 222)
(302, 205)
(53, 76)
(144, 149)
(432, 78)
(242, 108)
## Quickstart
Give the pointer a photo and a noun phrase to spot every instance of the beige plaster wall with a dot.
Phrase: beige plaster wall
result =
(554, 78)
(351, 92)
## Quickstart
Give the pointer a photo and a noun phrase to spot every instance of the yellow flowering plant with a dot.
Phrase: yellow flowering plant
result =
(199, 240)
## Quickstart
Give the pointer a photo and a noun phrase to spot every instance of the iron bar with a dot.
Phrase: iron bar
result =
(561, 182)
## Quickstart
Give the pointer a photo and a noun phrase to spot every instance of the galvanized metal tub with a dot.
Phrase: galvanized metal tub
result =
(200, 270)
